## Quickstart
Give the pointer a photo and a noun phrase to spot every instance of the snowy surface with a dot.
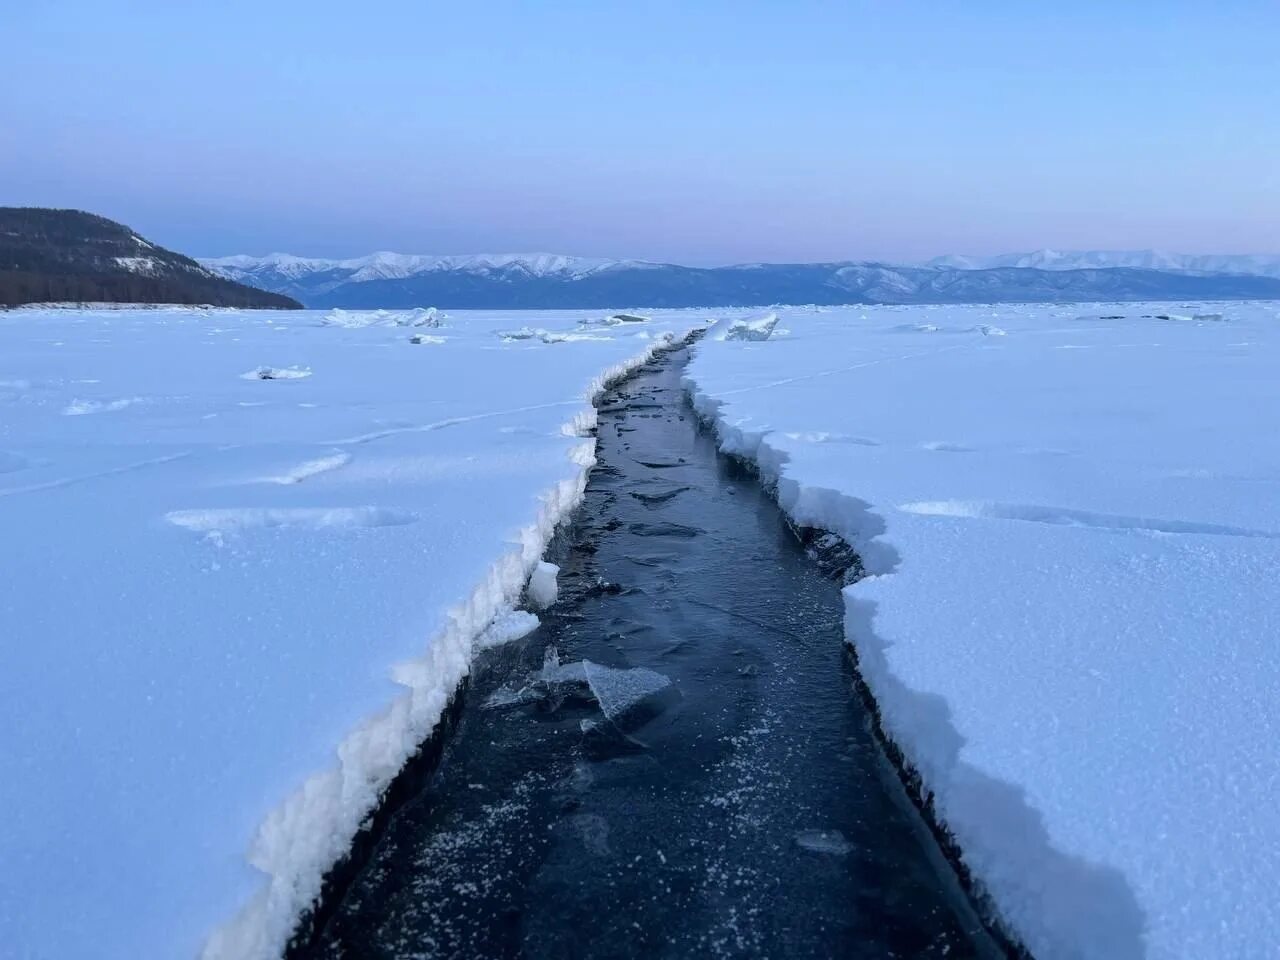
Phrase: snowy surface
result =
(1074, 535)
(245, 559)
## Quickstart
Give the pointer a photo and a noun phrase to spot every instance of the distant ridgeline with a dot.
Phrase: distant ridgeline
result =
(543, 281)
(49, 256)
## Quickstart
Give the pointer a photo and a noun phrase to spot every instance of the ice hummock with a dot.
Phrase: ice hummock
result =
(750, 328)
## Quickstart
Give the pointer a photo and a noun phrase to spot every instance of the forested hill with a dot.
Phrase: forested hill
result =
(68, 255)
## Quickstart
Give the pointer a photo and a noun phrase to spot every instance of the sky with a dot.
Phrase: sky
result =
(701, 132)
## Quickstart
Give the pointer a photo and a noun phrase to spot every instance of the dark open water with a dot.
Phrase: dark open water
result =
(706, 784)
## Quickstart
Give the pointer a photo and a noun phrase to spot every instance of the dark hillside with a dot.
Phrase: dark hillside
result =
(68, 255)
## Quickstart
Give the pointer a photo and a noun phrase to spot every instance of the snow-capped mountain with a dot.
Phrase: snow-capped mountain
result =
(1246, 264)
(277, 271)
(543, 280)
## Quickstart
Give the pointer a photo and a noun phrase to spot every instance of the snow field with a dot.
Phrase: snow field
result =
(1072, 530)
(233, 606)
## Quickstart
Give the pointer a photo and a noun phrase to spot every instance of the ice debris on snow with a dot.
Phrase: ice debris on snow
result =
(750, 328)
(356, 319)
(79, 408)
(276, 373)
(547, 336)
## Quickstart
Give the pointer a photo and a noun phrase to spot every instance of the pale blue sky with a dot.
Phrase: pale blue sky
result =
(695, 132)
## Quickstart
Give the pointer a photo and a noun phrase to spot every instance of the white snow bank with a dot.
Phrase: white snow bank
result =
(207, 679)
(1071, 620)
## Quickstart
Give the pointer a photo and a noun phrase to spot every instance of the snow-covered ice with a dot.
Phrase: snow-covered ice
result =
(231, 605)
(1071, 520)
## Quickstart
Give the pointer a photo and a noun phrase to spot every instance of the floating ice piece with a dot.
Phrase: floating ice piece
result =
(988, 330)
(615, 691)
(507, 627)
(831, 842)
(751, 328)
(543, 588)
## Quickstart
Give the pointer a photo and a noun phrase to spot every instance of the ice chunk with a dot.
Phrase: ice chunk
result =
(356, 319)
(617, 691)
(543, 589)
(276, 373)
(751, 328)
(507, 627)
(831, 842)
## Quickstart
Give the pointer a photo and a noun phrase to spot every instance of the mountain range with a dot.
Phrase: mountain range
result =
(71, 256)
(1246, 264)
(507, 281)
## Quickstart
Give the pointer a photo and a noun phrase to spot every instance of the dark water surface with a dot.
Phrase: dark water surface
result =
(705, 784)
